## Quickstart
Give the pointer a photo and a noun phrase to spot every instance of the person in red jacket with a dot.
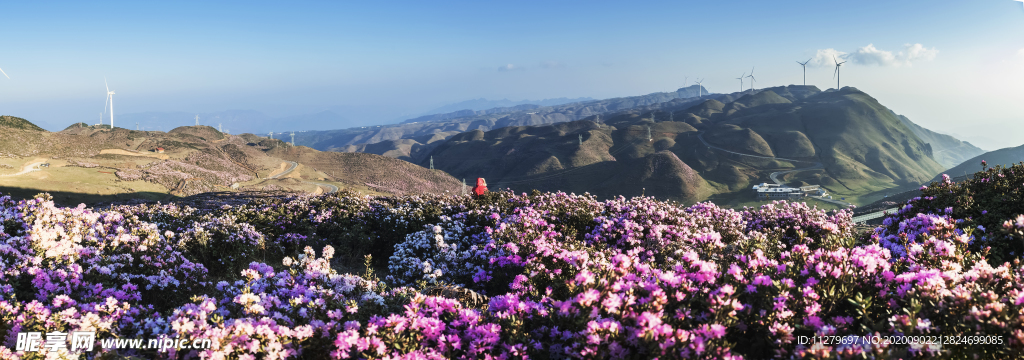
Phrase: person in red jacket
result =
(481, 187)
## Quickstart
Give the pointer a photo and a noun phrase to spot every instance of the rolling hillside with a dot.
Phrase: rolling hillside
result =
(93, 164)
(861, 146)
(417, 136)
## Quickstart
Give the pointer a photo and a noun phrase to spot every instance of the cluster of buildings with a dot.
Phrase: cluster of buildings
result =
(766, 191)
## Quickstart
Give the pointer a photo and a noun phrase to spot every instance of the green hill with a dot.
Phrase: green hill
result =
(861, 146)
(14, 122)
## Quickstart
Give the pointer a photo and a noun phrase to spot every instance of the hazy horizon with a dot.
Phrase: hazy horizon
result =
(948, 66)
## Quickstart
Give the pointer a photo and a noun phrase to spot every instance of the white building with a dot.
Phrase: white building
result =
(767, 191)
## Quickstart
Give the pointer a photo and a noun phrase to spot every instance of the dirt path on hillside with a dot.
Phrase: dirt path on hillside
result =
(129, 153)
(28, 167)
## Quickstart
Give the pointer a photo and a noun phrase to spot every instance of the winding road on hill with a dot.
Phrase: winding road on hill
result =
(774, 175)
(286, 172)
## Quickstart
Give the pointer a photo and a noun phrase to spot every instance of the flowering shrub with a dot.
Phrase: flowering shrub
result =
(980, 204)
(561, 276)
(442, 252)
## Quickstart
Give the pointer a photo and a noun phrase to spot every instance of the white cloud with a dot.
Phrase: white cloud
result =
(824, 57)
(918, 52)
(870, 55)
(510, 67)
(1020, 53)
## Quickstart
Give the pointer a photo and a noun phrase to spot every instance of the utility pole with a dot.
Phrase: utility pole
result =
(431, 163)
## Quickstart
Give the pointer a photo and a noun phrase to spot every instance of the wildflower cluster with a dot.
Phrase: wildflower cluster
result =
(546, 275)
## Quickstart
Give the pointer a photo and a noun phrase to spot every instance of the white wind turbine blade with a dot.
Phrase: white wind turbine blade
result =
(5, 74)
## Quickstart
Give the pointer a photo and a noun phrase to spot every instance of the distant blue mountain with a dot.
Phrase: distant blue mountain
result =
(484, 104)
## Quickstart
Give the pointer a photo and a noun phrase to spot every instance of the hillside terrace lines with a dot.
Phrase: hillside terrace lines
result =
(131, 153)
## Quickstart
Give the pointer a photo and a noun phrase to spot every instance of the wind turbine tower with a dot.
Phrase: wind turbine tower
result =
(700, 89)
(804, 65)
(293, 138)
(110, 98)
(271, 135)
(197, 119)
(136, 125)
(741, 81)
(836, 75)
(752, 79)
(219, 127)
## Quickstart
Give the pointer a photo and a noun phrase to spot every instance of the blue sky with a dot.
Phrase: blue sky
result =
(379, 61)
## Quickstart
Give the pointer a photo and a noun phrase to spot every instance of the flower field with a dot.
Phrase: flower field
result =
(510, 276)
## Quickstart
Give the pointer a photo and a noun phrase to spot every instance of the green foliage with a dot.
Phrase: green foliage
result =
(18, 123)
(987, 199)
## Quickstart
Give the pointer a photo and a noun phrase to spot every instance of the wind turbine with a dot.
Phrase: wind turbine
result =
(752, 79)
(836, 75)
(804, 64)
(197, 120)
(110, 99)
(700, 89)
(741, 81)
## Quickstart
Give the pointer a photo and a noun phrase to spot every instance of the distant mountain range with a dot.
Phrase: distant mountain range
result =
(660, 150)
(233, 121)
(484, 104)
(947, 150)
(1005, 156)
(258, 122)
(417, 135)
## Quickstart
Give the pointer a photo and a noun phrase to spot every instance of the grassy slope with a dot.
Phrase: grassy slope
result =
(862, 145)
(240, 155)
